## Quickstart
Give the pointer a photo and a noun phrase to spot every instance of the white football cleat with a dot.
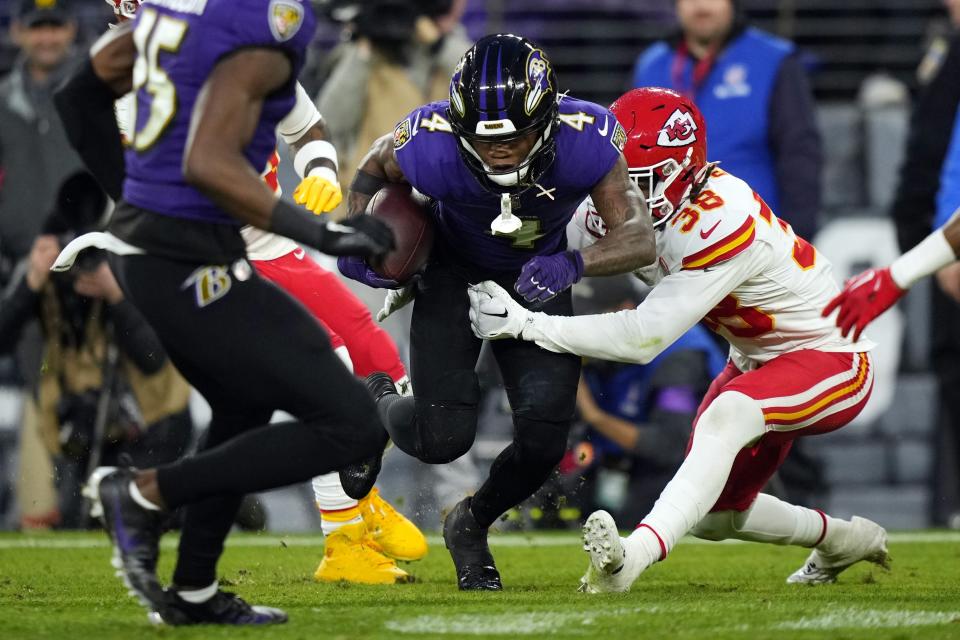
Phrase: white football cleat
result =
(612, 569)
(865, 540)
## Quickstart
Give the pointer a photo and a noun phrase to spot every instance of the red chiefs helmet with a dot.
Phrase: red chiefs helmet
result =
(124, 9)
(666, 148)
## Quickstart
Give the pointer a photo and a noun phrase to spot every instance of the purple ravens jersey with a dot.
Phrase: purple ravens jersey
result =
(178, 44)
(589, 142)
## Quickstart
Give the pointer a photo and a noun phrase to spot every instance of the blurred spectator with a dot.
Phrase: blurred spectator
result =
(105, 387)
(401, 54)
(37, 156)
(753, 90)
(927, 194)
(636, 418)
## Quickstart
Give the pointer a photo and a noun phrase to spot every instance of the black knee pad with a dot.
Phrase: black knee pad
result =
(544, 400)
(447, 421)
(541, 444)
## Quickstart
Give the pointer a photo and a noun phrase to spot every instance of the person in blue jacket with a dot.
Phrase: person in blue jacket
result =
(752, 88)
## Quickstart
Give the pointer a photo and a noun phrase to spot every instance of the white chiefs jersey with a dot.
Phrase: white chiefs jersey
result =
(724, 258)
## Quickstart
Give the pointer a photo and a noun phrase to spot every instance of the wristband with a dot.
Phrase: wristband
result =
(300, 119)
(324, 172)
(366, 183)
(310, 154)
(929, 256)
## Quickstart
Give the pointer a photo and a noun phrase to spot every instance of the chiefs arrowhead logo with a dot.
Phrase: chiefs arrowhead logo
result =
(678, 131)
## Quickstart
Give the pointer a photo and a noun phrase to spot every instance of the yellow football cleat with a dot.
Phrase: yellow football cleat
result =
(348, 557)
(391, 530)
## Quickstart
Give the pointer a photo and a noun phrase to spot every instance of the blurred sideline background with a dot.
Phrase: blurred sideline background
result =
(892, 465)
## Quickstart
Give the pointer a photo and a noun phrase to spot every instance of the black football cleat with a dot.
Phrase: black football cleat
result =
(134, 530)
(358, 478)
(222, 608)
(467, 542)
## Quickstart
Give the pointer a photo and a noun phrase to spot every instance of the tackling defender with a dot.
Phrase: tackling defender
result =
(506, 160)
(726, 258)
(212, 80)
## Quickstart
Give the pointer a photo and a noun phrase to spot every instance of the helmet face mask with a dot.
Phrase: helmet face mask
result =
(503, 90)
(666, 149)
(124, 9)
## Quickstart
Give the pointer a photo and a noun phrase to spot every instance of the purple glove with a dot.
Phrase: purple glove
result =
(356, 268)
(545, 276)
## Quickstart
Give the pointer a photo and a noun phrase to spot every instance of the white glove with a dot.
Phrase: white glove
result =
(494, 315)
(396, 299)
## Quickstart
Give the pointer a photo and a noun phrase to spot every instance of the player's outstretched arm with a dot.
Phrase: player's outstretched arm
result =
(871, 293)
(677, 303)
(85, 104)
(223, 124)
(628, 243)
(314, 156)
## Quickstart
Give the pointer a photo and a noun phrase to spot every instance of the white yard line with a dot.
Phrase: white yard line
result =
(853, 618)
(504, 540)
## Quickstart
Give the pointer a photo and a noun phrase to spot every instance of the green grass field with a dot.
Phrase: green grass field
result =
(61, 586)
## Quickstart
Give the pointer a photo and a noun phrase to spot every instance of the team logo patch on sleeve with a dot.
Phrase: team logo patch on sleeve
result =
(286, 17)
(401, 135)
(618, 138)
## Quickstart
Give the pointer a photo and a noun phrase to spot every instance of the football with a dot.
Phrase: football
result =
(408, 215)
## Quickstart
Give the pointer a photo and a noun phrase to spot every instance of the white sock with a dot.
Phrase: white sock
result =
(769, 520)
(835, 534)
(196, 596)
(729, 424)
(140, 500)
(330, 497)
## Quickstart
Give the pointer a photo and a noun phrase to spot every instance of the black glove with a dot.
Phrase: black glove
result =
(362, 235)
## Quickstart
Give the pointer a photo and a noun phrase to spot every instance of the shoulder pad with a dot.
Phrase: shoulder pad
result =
(717, 229)
(430, 118)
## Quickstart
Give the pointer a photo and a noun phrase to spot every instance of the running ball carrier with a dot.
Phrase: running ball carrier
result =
(507, 160)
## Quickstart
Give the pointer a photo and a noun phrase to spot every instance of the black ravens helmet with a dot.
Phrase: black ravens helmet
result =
(504, 88)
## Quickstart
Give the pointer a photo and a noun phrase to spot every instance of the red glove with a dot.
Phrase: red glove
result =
(863, 298)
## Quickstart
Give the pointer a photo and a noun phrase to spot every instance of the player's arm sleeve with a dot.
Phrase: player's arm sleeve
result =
(418, 153)
(85, 104)
(795, 142)
(934, 112)
(638, 335)
(300, 119)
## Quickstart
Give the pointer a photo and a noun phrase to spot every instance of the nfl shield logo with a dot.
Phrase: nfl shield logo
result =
(286, 16)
